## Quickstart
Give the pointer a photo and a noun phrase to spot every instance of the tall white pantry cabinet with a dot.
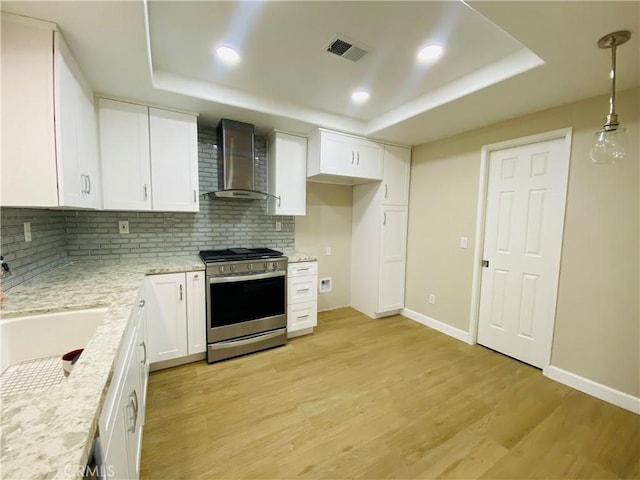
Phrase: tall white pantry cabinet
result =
(379, 237)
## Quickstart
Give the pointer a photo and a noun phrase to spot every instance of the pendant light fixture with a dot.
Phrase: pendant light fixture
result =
(611, 141)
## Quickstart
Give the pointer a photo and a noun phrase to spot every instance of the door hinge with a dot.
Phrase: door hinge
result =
(485, 263)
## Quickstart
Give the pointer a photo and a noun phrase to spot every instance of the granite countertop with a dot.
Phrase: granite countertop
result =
(297, 257)
(49, 434)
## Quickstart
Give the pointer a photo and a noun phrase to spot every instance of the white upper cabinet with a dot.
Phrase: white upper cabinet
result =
(343, 159)
(124, 152)
(174, 161)
(149, 158)
(49, 142)
(287, 167)
(395, 182)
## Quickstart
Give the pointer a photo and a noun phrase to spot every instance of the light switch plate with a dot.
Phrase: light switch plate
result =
(123, 226)
(463, 242)
(278, 226)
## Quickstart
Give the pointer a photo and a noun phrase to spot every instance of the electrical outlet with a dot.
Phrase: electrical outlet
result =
(123, 226)
(432, 299)
(463, 242)
(327, 251)
(27, 231)
(278, 226)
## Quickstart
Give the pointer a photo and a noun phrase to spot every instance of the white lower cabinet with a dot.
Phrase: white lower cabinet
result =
(122, 418)
(176, 324)
(302, 298)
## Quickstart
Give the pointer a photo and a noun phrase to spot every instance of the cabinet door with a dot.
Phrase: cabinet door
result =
(174, 161)
(338, 154)
(124, 150)
(393, 259)
(116, 455)
(368, 160)
(88, 157)
(302, 315)
(143, 356)
(196, 313)
(302, 289)
(28, 159)
(397, 164)
(166, 317)
(71, 185)
(287, 174)
(133, 408)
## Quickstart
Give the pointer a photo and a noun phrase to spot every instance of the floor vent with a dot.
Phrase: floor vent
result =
(346, 49)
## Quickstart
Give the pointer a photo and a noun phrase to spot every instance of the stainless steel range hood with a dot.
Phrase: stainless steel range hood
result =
(236, 161)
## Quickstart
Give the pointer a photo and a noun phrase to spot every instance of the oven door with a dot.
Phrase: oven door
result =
(245, 304)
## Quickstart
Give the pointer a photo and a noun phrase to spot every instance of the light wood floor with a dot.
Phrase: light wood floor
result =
(387, 398)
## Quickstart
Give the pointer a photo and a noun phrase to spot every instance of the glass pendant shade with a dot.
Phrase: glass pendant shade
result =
(610, 146)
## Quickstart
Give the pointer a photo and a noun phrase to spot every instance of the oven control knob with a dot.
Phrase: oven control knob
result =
(249, 266)
(232, 268)
(221, 268)
(275, 265)
(266, 265)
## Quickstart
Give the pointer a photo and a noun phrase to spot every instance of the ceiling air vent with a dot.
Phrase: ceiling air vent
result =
(346, 49)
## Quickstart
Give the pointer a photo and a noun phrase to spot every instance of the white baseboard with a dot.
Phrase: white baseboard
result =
(438, 325)
(333, 308)
(608, 394)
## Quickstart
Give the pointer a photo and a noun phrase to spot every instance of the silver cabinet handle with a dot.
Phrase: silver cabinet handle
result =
(144, 347)
(196, 276)
(384, 220)
(386, 191)
(83, 179)
(358, 162)
(195, 195)
(145, 192)
(303, 269)
(352, 157)
(141, 304)
(181, 292)
(89, 182)
(302, 316)
(301, 290)
(133, 403)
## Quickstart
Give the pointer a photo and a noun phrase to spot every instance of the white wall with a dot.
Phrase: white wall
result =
(328, 224)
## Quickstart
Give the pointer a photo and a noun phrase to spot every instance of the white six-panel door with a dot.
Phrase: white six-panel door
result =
(526, 196)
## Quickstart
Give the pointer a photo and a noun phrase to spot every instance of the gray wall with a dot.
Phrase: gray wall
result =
(87, 235)
(45, 251)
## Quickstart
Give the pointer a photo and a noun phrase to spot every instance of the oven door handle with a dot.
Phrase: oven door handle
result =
(247, 278)
(247, 341)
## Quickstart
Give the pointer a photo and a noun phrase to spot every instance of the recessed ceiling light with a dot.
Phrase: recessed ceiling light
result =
(228, 55)
(430, 53)
(359, 96)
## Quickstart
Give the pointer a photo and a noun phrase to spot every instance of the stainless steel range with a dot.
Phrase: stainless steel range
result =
(246, 301)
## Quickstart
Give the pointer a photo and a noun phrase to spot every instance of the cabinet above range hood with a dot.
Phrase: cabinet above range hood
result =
(236, 162)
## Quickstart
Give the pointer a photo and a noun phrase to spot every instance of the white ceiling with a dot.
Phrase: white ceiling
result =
(502, 59)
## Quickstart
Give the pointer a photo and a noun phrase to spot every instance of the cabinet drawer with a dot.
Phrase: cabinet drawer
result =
(302, 289)
(302, 315)
(302, 268)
